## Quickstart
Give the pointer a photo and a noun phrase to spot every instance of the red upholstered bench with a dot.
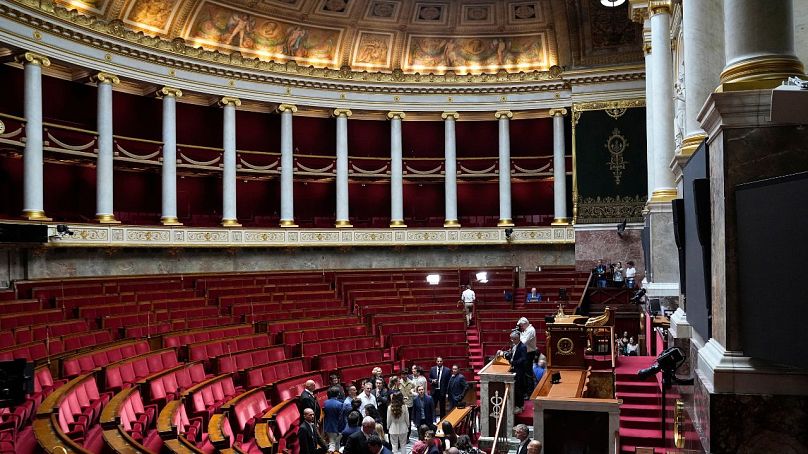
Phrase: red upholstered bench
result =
(243, 360)
(190, 337)
(334, 361)
(273, 372)
(338, 345)
(41, 331)
(127, 372)
(87, 361)
(203, 399)
(428, 322)
(235, 424)
(205, 351)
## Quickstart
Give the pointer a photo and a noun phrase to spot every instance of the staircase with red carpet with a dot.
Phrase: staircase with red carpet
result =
(477, 361)
(641, 407)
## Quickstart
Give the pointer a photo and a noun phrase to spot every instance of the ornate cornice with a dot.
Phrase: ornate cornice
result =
(613, 106)
(93, 235)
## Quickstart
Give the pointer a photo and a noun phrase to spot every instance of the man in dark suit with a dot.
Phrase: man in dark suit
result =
(308, 400)
(358, 441)
(310, 440)
(456, 388)
(376, 446)
(521, 432)
(520, 365)
(439, 381)
(423, 409)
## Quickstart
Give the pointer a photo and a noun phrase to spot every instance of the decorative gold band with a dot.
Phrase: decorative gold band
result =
(343, 224)
(228, 100)
(397, 224)
(560, 221)
(691, 143)
(287, 107)
(663, 195)
(170, 91)
(505, 223)
(451, 223)
(106, 219)
(170, 221)
(230, 223)
(770, 68)
(288, 223)
(35, 215)
(659, 6)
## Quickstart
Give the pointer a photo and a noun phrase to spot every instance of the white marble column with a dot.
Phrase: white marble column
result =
(229, 217)
(649, 109)
(343, 217)
(169, 95)
(702, 31)
(504, 118)
(287, 167)
(104, 166)
(450, 168)
(33, 207)
(396, 171)
(662, 94)
(559, 168)
(758, 44)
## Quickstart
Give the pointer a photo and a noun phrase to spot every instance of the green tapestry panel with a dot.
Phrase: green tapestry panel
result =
(611, 165)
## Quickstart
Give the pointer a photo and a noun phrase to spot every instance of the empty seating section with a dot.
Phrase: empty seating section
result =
(218, 347)
(236, 351)
(201, 335)
(233, 362)
(273, 372)
(127, 372)
(86, 362)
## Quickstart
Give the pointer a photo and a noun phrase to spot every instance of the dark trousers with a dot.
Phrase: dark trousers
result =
(440, 404)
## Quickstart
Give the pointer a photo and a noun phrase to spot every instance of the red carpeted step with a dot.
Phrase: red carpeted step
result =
(637, 386)
(648, 411)
(641, 437)
(640, 422)
(626, 448)
(638, 398)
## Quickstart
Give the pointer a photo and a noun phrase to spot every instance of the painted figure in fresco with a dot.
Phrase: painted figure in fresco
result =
(239, 25)
(294, 42)
(269, 37)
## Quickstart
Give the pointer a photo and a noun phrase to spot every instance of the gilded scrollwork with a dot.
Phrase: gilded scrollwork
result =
(592, 210)
(616, 145)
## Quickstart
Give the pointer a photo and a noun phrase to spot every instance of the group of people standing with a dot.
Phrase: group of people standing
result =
(523, 356)
(615, 274)
(386, 409)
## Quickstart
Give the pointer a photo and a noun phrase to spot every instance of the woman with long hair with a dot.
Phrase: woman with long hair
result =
(449, 435)
(398, 423)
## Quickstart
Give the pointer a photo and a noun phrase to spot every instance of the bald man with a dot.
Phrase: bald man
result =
(358, 441)
(308, 400)
(534, 447)
(309, 437)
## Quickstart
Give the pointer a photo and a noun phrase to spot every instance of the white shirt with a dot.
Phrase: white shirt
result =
(528, 337)
(630, 272)
(366, 399)
(468, 296)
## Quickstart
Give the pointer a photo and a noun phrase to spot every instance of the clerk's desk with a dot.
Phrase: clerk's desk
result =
(569, 417)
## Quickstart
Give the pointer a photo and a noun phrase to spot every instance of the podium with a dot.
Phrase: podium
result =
(495, 378)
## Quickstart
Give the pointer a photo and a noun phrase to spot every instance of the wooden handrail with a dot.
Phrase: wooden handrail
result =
(583, 295)
(503, 411)
(114, 435)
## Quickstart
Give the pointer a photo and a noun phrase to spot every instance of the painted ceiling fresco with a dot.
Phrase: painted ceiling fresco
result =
(383, 35)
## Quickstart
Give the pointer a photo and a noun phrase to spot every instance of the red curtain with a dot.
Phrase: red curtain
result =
(12, 80)
(369, 138)
(531, 137)
(199, 125)
(11, 186)
(137, 116)
(257, 131)
(317, 136)
(69, 192)
(422, 139)
(477, 138)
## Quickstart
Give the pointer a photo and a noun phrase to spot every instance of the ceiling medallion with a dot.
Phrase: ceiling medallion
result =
(612, 3)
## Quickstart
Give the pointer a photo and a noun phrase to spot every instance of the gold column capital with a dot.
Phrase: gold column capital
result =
(503, 114)
(290, 107)
(170, 91)
(660, 6)
(396, 115)
(108, 78)
(342, 112)
(638, 10)
(558, 112)
(33, 58)
(447, 115)
(229, 100)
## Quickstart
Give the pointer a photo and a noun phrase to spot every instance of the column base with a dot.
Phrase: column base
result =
(691, 143)
(759, 73)
(398, 224)
(560, 221)
(288, 224)
(663, 195)
(106, 219)
(343, 224)
(451, 224)
(505, 223)
(35, 215)
(230, 223)
(170, 220)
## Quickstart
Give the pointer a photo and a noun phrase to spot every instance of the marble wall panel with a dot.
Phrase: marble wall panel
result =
(60, 262)
(592, 245)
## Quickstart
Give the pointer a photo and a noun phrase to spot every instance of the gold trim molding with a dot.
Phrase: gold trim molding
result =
(560, 221)
(340, 112)
(659, 6)
(691, 143)
(451, 224)
(288, 224)
(106, 219)
(170, 221)
(35, 215)
(230, 223)
(33, 58)
(769, 69)
(663, 195)
(613, 106)
(397, 224)
(343, 224)
(505, 223)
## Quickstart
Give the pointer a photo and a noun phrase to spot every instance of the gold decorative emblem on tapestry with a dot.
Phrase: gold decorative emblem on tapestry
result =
(616, 144)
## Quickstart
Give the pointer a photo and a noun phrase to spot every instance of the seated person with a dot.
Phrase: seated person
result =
(533, 296)
(539, 367)
(632, 349)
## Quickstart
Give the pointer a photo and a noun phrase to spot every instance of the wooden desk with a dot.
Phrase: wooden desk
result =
(571, 384)
(495, 378)
(455, 417)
